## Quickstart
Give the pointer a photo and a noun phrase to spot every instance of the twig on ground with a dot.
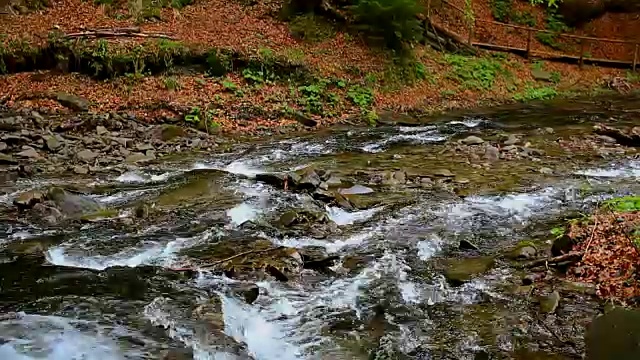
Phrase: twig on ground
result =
(572, 257)
(593, 231)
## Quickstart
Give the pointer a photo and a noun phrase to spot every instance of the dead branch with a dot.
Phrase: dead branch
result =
(571, 257)
(214, 264)
(623, 138)
(117, 33)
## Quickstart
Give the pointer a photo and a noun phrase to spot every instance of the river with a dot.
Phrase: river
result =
(117, 288)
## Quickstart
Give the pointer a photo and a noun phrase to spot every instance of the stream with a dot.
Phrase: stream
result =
(137, 287)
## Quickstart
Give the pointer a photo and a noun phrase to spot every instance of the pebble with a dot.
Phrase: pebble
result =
(3, 146)
(512, 140)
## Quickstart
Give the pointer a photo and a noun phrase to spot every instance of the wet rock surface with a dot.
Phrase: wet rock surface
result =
(396, 243)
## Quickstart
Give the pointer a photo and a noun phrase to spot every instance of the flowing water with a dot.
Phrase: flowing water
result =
(105, 290)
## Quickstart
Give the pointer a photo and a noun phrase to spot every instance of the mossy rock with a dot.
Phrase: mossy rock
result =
(522, 251)
(100, 215)
(459, 271)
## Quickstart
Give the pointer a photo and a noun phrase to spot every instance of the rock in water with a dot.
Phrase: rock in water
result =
(459, 271)
(356, 190)
(73, 205)
(472, 140)
(615, 335)
(492, 153)
(443, 173)
(512, 140)
(550, 303)
(72, 102)
(247, 291)
(28, 199)
(467, 245)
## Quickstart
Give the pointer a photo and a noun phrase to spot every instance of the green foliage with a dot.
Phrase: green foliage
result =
(202, 119)
(624, 204)
(501, 10)
(523, 18)
(311, 28)
(370, 116)
(361, 96)
(536, 93)
(633, 76)
(172, 84)
(313, 97)
(548, 3)
(217, 63)
(558, 231)
(478, 73)
(405, 70)
(556, 77)
(393, 21)
(553, 23)
(229, 85)
(258, 76)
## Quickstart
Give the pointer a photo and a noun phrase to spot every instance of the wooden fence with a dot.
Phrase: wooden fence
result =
(570, 48)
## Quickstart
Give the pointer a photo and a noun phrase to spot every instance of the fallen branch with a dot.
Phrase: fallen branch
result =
(214, 264)
(593, 231)
(571, 257)
(112, 33)
(623, 138)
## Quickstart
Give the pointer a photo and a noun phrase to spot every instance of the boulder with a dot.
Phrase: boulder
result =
(86, 155)
(614, 335)
(72, 102)
(541, 75)
(459, 271)
(523, 251)
(52, 142)
(168, 132)
(30, 153)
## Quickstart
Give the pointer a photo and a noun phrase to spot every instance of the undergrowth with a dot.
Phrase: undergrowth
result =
(479, 73)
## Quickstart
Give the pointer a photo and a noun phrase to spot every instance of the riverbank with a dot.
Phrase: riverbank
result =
(206, 75)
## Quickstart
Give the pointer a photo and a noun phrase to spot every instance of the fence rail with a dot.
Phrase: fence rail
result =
(473, 27)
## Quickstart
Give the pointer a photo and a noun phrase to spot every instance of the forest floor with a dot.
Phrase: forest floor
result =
(351, 80)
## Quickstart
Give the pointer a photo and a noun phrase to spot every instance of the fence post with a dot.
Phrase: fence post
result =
(429, 10)
(529, 35)
(581, 52)
(635, 58)
(472, 26)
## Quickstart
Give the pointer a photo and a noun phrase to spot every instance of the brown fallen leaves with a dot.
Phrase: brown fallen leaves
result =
(610, 259)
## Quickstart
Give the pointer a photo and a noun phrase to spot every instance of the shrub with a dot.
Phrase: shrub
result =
(393, 21)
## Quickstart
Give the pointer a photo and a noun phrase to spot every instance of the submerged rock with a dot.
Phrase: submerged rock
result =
(246, 291)
(28, 199)
(443, 173)
(459, 271)
(472, 140)
(73, 205)
(549, 304)
(467, 245)
(615, 335)
(356, 190)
